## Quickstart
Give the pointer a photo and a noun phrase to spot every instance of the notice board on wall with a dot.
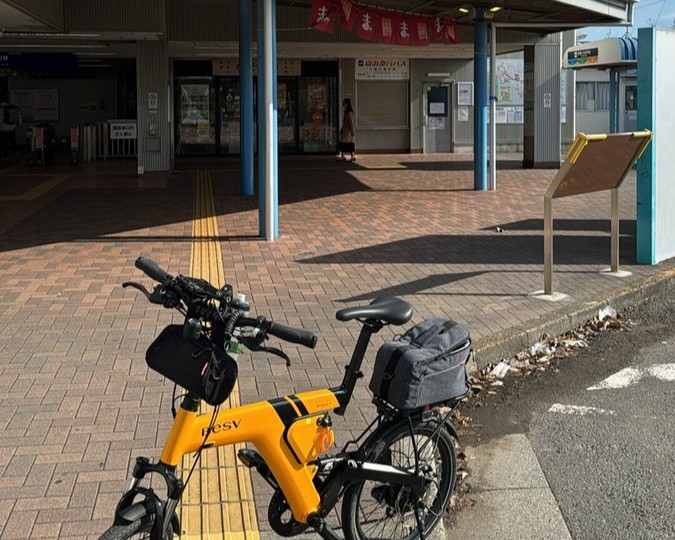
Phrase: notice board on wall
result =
(36, 104)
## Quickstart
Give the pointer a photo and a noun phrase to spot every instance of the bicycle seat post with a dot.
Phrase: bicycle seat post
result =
(353, 373)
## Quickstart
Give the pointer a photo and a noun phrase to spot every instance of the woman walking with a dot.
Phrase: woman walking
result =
(346, 141)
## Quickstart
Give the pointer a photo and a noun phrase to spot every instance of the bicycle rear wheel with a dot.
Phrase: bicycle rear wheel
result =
(374, 510)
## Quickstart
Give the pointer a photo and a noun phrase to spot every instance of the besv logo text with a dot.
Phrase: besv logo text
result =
(225, 426)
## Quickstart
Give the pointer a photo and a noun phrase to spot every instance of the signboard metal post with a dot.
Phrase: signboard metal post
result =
(615, 230)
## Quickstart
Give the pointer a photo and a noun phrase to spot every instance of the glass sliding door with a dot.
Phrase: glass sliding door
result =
(318, 114)
(230, 114)
(196, 126)
(287, 100)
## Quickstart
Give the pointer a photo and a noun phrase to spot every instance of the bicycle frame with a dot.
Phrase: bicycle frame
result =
(284, 431)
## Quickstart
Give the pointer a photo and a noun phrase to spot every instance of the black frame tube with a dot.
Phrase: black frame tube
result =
(353, 373)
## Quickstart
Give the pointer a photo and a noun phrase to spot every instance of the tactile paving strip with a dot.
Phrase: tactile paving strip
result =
(218, 502)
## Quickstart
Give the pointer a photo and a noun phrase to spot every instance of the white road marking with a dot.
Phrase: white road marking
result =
(622, 379)
(633, 375)
(578, 410)
(665, 372)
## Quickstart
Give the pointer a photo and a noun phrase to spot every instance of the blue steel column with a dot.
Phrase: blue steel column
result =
(246, 96)
(480, 109)
(275, 125)
(613, 101)
(260, 6)
(270, 176)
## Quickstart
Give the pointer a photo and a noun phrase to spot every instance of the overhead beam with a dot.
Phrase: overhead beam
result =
(600, 7)
(48, 13)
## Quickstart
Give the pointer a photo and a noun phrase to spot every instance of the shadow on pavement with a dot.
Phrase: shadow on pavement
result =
(413, 287)
(105, 214)
(626, 226)
(484, 249)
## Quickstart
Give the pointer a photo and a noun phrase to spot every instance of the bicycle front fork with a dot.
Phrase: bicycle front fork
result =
(164, 512)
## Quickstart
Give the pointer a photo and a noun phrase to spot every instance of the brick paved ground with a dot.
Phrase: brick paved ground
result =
(76, 400)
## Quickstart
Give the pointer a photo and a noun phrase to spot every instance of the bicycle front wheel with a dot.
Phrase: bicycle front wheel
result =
(374, 510)
(140, 530)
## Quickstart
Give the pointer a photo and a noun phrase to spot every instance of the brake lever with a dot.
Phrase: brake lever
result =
(157, 296)
(252, 344)
(277, 352)
(138, 287)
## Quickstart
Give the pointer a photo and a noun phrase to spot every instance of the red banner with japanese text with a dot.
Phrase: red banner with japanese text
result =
(451, 34)
(437, 29)
(347, 12)
(367, 20)
(323, 15)
(387, 23)
(383, 26)
(420, 35)
(404, 28)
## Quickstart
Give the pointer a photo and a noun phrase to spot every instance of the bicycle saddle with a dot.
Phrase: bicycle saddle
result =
(388, 309)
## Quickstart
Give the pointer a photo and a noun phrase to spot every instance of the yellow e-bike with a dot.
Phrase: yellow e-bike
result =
(394, 481)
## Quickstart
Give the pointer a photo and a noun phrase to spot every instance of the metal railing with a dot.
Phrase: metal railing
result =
(111, 139)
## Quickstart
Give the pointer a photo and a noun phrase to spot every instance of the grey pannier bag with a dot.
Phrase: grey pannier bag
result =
(425, 366)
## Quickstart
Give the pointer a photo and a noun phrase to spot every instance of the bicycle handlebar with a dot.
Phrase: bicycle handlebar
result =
(292, 335)
(185, 288)
(152, 269)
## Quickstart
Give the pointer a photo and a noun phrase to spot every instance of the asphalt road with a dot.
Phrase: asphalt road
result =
(602, 428)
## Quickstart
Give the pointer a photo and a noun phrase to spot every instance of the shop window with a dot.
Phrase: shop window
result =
(585, 96)
(602, 96)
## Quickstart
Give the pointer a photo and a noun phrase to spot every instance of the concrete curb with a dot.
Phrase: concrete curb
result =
(508, 342)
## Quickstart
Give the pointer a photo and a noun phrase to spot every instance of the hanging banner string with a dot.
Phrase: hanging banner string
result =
(383, 25)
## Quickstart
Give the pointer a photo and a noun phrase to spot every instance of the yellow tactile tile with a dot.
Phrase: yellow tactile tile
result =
(218, 502)
(37, 191)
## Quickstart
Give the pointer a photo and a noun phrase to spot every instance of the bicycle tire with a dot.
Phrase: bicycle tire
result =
(141, 527)
(388, 446)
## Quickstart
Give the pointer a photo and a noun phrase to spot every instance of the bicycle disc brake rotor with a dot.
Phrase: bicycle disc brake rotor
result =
(281, 518)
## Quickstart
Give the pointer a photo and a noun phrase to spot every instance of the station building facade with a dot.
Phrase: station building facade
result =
(171, 67)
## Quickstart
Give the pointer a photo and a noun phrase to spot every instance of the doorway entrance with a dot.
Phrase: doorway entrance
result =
(628, 104)
(437, 118)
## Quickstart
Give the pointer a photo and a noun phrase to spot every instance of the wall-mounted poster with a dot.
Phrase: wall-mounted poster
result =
(436, 123)
(462, 114)
(465, 93)
(36, 104)
(46, 104)
(510, 81)
(24, 101)
(316, 97)
(195, 108)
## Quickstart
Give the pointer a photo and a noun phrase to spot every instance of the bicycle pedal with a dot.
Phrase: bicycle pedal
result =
(250, 458)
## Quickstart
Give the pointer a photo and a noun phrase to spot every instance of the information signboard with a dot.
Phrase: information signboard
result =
(381, 69)
(123, 130)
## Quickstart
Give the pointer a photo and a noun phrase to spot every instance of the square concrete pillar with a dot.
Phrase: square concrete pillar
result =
(154, 107)
(541, 130)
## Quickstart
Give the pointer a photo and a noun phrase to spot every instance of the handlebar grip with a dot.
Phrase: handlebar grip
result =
(152, 269)
(292, 335)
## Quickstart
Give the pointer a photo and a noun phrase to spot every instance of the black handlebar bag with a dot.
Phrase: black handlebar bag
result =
(425, 366)
(199, 366)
